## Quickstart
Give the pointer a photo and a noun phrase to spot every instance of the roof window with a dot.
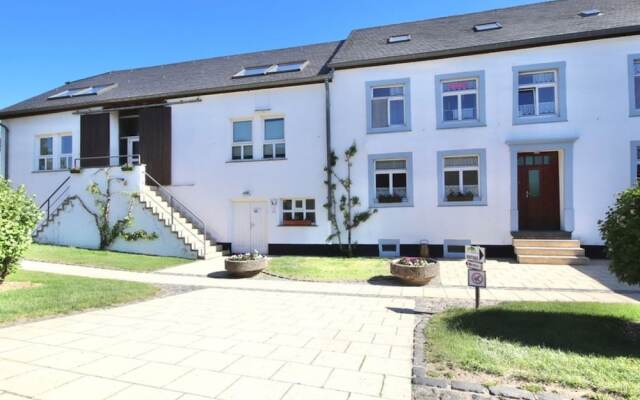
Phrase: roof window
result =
(399, 38)
(589, 13)
(271, 69)
(487, 27)
(83, 91)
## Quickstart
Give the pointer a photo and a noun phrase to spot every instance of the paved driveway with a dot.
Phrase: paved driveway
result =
(216, 343)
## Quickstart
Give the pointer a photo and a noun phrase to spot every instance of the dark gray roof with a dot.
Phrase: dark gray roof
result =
(213, 75)
(528, 25)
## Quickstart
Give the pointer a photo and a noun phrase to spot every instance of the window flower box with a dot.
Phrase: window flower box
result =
(297, 222)
(389, 198)
(74, 170)
(127, 167)
(459, 196)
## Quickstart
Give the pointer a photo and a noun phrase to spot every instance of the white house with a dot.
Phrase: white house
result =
(480, 128)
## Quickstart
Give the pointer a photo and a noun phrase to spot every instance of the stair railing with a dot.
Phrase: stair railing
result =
(58, 193)
(176, 205)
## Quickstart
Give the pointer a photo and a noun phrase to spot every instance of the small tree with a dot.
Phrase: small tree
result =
(18, 217)
(620, 231)
(351, 219)
(102, 215)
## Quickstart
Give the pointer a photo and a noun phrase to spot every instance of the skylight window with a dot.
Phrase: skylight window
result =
(590, 13)
(272, 69)
(399, 38)
(487, 27)
(83, 91)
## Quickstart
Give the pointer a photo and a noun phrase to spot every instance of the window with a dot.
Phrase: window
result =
(272, 69)
(242, 148)
(83, 91)
(389, 248)
(388, 106)
(54, 152)
(487, 27)
(45, 159)
(594, 12)
(274, 146)
(634, 85)
(539, 94)
(66, 157)
(455, 248)
(399, 38)
(460, 100)
(390, 180)
(298, 212)
(635, 163)
(462, 177)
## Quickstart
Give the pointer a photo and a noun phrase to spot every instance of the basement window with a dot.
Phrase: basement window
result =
(399, 38)
(389, 248)
(455, 248)
(590, 13)
(83, 91)
(487, 27)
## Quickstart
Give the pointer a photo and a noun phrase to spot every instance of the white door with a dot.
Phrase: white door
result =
(249, 227)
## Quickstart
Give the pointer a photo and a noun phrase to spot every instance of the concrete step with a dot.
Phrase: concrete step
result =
(546, 243)
(549, 251)
(554, 235)
(552, 260)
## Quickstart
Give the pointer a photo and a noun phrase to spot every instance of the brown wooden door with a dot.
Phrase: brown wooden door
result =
(94, 140)
(155, 143)
(538, 191)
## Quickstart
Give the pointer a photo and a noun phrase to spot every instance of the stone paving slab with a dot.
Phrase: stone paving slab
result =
(506, 281)
(216, 344)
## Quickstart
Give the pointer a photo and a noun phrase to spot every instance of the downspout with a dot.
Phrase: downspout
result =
(327, 113)
(6, 150)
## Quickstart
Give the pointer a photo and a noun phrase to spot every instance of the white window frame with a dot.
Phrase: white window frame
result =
(273, 142)
(242, 144)
(373, 173)
(294, 209)
(634, 109)
(479, 91)
(406, 109)
(390, 173)
(461, 171)
(132, 158)
(481, 198)
(57, 155)
(536, 90)
(459, 94)
(635, 163)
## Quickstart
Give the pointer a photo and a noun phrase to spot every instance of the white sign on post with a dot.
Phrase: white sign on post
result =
(477, 265)
(477, 278)
(474, 253)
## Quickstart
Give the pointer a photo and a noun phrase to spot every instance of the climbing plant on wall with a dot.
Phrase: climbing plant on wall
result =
(103, 197)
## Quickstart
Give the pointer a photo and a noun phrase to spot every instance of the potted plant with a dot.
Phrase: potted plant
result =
(416, 271)
(75, 170)
(389, 198)
(460, 196)
(127, 167)
(246, 265)
(297, 222)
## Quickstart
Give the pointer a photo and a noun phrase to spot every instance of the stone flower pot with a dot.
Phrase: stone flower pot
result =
(415, 275)
(245, 268)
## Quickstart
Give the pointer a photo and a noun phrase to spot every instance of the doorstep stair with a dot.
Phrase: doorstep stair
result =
(549, 251)
(204, 246)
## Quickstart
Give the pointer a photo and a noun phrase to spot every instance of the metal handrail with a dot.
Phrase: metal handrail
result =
(135, 159)
(47, 202)
(182, 208)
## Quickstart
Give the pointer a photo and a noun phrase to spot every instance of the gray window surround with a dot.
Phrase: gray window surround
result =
(454, 242)
(563, 145)
(635, 144)
(406, 82)
(561, 68)
(633, 110)
(481, 114)
(373, 203)
(395, 242)
(482, 178)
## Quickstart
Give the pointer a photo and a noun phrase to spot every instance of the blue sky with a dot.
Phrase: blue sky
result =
(46, 43)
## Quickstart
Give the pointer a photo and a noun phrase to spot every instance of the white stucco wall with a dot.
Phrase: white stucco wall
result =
(74, 226)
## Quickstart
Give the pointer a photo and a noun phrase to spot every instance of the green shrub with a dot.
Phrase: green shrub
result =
(620, 231)
(18, 217)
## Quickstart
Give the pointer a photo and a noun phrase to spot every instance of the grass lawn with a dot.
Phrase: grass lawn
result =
(61, 294)
(100, 258)
(329, 268)
(576, 345)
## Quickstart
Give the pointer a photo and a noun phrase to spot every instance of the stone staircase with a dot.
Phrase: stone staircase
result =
(547, 248)
(205, 247)
(43, 223)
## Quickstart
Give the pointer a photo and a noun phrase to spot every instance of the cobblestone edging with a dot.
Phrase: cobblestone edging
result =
(426, 388)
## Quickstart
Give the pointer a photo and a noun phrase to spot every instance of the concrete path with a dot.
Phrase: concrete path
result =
(506, 281)
(216, 344)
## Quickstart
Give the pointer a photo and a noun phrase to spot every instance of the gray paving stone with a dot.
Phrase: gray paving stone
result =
(469, 387)
(550, 396)
(433, 382)
(511, 393)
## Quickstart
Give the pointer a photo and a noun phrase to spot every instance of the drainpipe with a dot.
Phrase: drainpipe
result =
(6, 150)
(327, 114)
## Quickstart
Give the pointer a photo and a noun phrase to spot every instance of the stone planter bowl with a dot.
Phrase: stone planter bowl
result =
(244, 269)
(415, 276)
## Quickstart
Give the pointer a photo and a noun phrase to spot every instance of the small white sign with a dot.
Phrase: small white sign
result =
(474, 253)
(477, 265)
(477, 278)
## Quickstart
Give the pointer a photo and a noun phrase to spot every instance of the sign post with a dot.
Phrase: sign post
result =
(476, 276)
